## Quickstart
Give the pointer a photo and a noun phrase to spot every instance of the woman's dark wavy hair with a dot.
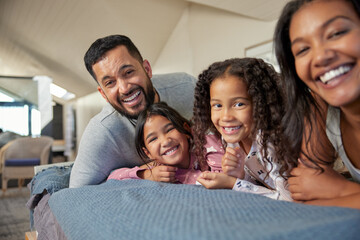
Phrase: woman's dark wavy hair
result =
(301, 107)
(267, 104)
(159, 109)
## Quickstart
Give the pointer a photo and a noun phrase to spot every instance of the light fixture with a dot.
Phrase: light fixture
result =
(56, 90)
(61, 92)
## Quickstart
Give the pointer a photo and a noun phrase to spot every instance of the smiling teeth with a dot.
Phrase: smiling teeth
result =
(171, 151)
(132, 97)
(228, 129)
(334, 73)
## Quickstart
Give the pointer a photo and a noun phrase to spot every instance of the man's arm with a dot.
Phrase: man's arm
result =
(97, 156)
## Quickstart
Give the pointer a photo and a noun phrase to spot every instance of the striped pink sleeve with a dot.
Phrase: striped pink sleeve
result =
(125, 173)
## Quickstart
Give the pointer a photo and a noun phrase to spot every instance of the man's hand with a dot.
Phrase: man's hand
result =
(214, 180)
(161, 173)
(232, 164)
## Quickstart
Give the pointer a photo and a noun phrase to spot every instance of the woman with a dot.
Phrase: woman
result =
(317, 45)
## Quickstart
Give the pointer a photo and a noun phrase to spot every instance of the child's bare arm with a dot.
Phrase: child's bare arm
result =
(161, 173)
(214, 180)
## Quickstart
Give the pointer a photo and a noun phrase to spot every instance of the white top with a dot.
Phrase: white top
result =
(333, 132)
(256, 169)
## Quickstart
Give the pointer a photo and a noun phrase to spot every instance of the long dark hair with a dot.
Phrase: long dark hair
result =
(302, 106)
(262, 83)
(159, 109)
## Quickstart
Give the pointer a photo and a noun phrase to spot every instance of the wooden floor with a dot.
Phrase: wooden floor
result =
(14, 214)
(30, 236)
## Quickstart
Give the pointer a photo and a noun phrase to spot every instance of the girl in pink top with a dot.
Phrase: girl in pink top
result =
(163, 139)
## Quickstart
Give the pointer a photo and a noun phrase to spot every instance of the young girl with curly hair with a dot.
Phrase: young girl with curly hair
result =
(237, 128)
(164, 141)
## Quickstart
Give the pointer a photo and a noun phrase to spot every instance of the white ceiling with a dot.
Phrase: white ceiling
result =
(266, 10)
(50, 37)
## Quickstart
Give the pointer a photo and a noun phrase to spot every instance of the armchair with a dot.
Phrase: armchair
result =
(18, 158)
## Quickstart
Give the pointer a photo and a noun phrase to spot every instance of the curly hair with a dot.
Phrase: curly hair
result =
(263, 87)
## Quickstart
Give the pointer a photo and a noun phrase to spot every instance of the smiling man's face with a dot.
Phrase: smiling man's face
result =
(124, 82)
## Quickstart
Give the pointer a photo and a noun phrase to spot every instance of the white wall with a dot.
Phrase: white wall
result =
(177, 54)
(86, 108)
(205, 35)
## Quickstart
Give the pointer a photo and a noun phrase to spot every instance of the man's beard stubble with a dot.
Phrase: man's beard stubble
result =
(149, 99)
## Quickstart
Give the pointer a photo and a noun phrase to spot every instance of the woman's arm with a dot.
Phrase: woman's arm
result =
(328, 188)
(350, 201)
(309, 185)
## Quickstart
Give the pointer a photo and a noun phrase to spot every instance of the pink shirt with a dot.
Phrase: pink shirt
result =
(184, 176)
(214, 152)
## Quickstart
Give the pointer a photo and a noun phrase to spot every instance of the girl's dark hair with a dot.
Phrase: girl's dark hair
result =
(302, 107)
(267, 104)
(159, 109)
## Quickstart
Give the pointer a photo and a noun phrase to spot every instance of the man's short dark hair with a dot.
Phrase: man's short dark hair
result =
(105, 44)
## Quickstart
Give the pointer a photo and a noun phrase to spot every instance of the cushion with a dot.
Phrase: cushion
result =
(22, 162)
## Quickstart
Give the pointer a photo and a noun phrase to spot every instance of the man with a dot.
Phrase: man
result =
(125, 81)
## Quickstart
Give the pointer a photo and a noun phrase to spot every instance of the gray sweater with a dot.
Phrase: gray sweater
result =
(108, 141)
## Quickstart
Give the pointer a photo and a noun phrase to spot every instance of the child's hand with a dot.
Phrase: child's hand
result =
(232, 164)
(309, 184)
(161, 173)
(214, 180)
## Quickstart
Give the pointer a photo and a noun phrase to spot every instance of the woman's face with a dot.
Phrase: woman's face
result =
(164, 143)
(325, 42)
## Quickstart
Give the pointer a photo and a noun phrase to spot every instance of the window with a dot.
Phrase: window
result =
(19, 117)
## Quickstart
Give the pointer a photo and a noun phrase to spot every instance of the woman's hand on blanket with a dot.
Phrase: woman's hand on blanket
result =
(214, 180)
(309, 184)
(161, 173)
(232, 164)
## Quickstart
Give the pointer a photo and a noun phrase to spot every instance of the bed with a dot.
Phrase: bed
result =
(141, 209)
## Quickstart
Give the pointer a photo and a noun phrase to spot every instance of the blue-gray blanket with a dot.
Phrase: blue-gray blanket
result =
(140, 209)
